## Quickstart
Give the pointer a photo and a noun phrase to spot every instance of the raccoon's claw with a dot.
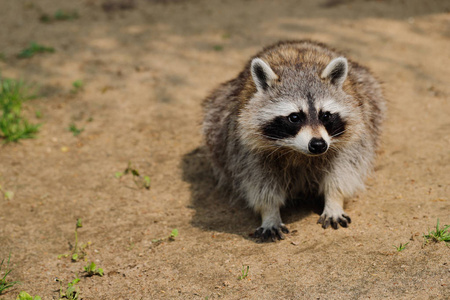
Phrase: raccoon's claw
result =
(271, 234)
(342, 220)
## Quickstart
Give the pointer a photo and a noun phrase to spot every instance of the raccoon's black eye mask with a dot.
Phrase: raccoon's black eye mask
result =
(325, 116)
(282, 127)
(295, 117)
(333, 123)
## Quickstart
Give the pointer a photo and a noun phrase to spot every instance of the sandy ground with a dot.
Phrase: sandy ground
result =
(146, 67)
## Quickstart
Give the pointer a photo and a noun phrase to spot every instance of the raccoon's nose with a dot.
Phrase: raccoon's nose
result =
(317, 146)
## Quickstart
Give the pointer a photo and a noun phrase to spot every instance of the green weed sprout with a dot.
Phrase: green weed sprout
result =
(440, 235)
(75, 131)
(33, 49)
(139, 180)
(401, 247)
(62, 15)
(59, 15)
(91, 270)
(4, 284)
(72, 292)
(244, 272)
(8, 195)
(77, 250)
(77, 86)
(25, 296)
(170, 238)
(13, 126)
(173, 235)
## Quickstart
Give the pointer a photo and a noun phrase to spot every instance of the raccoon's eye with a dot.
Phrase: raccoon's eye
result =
(325, 116)
(294, 118)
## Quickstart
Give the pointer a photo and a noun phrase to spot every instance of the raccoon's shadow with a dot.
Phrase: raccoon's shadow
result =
(215, 210)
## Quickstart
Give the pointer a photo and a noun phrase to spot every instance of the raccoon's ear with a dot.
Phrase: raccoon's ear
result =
(262, 74)
(336, 71)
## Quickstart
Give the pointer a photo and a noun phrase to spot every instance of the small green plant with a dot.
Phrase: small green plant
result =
(59, 15)
(25, 296)
(38, 114)
(75, 131)
(78, 250)
(440, 235)
(218, 48)
(91, 270)
(77, 86)
(8, 195)
(139, 180)
(147, 182)
(13, 126)
(170, 238)
(72, 291)
(62, 15)
(173, 235)
(2, 56)
(4, 284)
(401, 247)
(244, 272)
(33, 49)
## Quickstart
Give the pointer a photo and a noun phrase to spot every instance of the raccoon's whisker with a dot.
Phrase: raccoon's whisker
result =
(339, 133)
(266, 136)
(271, 153)
(274, 150)
(333, 148)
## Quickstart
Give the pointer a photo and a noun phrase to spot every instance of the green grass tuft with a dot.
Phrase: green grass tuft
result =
(33, 49)
(13, 126)
(5, 284)
(59, 15)
(440, 235)
(244, 272)
(401, 247)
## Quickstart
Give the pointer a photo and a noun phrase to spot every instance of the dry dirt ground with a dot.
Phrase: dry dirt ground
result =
(146, 67)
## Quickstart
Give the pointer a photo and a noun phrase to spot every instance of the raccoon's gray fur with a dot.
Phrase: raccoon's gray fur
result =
(300, 119)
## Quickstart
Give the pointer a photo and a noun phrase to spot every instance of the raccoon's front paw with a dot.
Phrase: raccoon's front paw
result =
(334, 218)
(271, 234)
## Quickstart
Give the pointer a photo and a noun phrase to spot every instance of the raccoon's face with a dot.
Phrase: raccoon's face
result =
(302, 114)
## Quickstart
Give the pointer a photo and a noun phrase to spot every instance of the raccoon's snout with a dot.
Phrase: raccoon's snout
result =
(317, 146)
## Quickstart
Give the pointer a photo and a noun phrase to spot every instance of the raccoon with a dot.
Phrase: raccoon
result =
(300, 119)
